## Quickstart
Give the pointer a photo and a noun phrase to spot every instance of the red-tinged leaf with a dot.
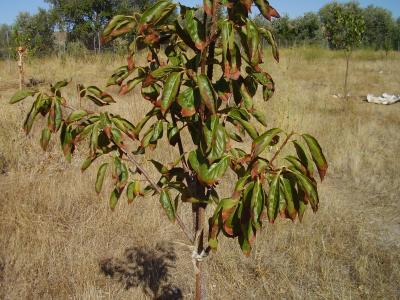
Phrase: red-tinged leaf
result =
(118, 25)
(45, 138)
(317, 155)
(186, 100)
(247, 4)
(207, 6)
(266, 10)
(192, 26)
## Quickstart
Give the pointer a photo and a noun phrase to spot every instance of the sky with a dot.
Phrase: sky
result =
(294, 8)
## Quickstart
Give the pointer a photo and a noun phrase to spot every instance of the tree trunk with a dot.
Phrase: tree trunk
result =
(347, 75)
(201, 290)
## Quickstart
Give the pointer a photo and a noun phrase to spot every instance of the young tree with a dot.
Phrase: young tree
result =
(344, 28)
(191, 97)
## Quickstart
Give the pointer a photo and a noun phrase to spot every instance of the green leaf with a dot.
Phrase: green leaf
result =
(45, 138)
(308, 187)
(260, 117)
(88, 161)
(158, 131)
(250, 129)
(288, 189)
(21, 95)
(192, 26)
(270, 38)
(317, 155)
(58, 113)
(160, 167)
(133, 190)
(164, 71)
(296, 163)
(263, 141)
(273, 198)
(30, 118)
(218, 144)
(253, 42)
(187, 102)
(157, 13)
(301, 153)
(165, 200)
(208, 174)
(206, 92)
(66, 141)
(265, 80)
(100, 177)
(114, 197)
(171, 88)
(77, 115)
(257, 204)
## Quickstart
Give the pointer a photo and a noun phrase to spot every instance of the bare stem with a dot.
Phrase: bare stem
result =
(180, 146)
(281, 147)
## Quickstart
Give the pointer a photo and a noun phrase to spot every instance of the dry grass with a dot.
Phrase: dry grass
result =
(54, 230)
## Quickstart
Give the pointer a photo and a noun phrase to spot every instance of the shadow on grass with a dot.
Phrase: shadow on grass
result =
(146, 268)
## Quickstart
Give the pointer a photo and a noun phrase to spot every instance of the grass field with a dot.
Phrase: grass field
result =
(59, 240)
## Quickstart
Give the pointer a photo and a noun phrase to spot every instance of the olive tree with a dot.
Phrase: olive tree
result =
(201, 78)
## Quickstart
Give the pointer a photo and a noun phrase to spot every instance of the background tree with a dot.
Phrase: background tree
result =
(344, 28)
(308, 28)
(379, 27)
(34, 32)
(396, 35)
(283, 28)
(5, 41)
(84, 19)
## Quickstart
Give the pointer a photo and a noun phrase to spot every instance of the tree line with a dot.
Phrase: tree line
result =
(82, 22)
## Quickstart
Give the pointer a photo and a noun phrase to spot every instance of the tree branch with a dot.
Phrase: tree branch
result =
(179, 221)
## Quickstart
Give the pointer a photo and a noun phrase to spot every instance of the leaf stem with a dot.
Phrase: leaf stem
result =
(280, 148)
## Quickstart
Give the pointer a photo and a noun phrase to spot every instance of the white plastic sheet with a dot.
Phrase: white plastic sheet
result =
(384, 99)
